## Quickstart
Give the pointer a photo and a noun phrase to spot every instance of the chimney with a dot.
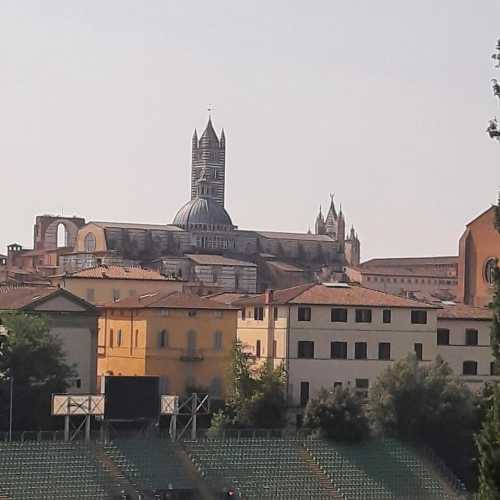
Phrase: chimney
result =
(269, 295)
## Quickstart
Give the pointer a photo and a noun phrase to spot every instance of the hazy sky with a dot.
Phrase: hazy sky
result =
(382, 102)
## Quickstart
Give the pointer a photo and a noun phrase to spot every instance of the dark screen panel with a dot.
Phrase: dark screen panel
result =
(132, 398)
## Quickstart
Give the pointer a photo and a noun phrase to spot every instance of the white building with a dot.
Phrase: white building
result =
(463, 341)
(328, 334)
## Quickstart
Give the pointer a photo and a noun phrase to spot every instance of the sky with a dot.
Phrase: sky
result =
(383, 103)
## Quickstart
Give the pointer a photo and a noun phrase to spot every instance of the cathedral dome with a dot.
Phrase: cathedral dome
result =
(203, 214)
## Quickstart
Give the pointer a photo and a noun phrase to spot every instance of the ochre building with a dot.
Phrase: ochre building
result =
(183, 339)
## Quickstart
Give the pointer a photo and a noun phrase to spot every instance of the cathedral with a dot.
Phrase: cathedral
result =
(201, 231)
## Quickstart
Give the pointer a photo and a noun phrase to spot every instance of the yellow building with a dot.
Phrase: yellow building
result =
(102, 284)
(183, 339)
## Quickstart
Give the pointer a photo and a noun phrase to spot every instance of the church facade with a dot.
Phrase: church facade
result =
(203, 226)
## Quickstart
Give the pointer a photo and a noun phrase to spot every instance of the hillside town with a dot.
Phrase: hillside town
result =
(194, 358)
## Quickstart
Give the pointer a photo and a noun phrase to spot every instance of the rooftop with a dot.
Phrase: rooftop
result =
(294, 236)
(325, 294)
(217, 260)
(410, 261)
(14, 298)
(162, 300)
(227, 297)
(464, 312)
(119, 272)
(128, 225)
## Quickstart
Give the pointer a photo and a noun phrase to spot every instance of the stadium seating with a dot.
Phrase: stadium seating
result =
(149, 464)
(259, 468)
(377, 469)
(51, 470)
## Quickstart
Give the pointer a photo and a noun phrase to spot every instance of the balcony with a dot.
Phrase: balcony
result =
(191, 356)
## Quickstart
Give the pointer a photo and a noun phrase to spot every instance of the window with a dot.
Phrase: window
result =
(219, 314)
(244, 314)
(384, 350)
(304, 314)
(386, 316)
(338, 350)
(443, 336)
(337, 384)
(360, 351)
(89, 242)
(305, 349)
(489, 271)
(111, 338)
(163, 312)
(275, 348)
(419, 350)
(191, 342)
(216, 387)
(339, 315)
(132, 293)
(163, 339)
(192, 314)
(116, 294)
(470, 337)
(119, 338)
(257, 349)
(136, 343)
(469, 368)
(419, 317)
(494, 368)
(275, 313)
(218, 341)
(258, 313)
(90, 294)
(363, 315)
(362, 383)
(304, 393)
(78, 383)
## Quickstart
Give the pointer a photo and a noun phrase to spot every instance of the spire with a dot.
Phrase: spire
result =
(209, 137)
(222, 139)
(195, 139)
(332, 210)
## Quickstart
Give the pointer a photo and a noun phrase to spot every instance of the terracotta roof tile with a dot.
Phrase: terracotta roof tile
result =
(463, 311)
(173, 300)
(119, 272)
(19, 297)
(321, 294)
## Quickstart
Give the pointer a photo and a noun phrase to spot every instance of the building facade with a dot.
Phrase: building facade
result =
(430, 279)
(334, 334)
(479, 250)
(183, 339)
(71, 319)
(103, 284)
(463, 341)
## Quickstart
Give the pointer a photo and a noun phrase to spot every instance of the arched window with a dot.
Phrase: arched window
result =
(191, 341)
(62, 236)
(89, 242)
(119, 338)
(111, 338)
(489, 271)
(137, 338)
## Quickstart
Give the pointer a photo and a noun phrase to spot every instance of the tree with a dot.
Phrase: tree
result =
(256, 396)
(337, 414)
(495, 321)
(36, 361)
(427, 404)
(488, 445)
